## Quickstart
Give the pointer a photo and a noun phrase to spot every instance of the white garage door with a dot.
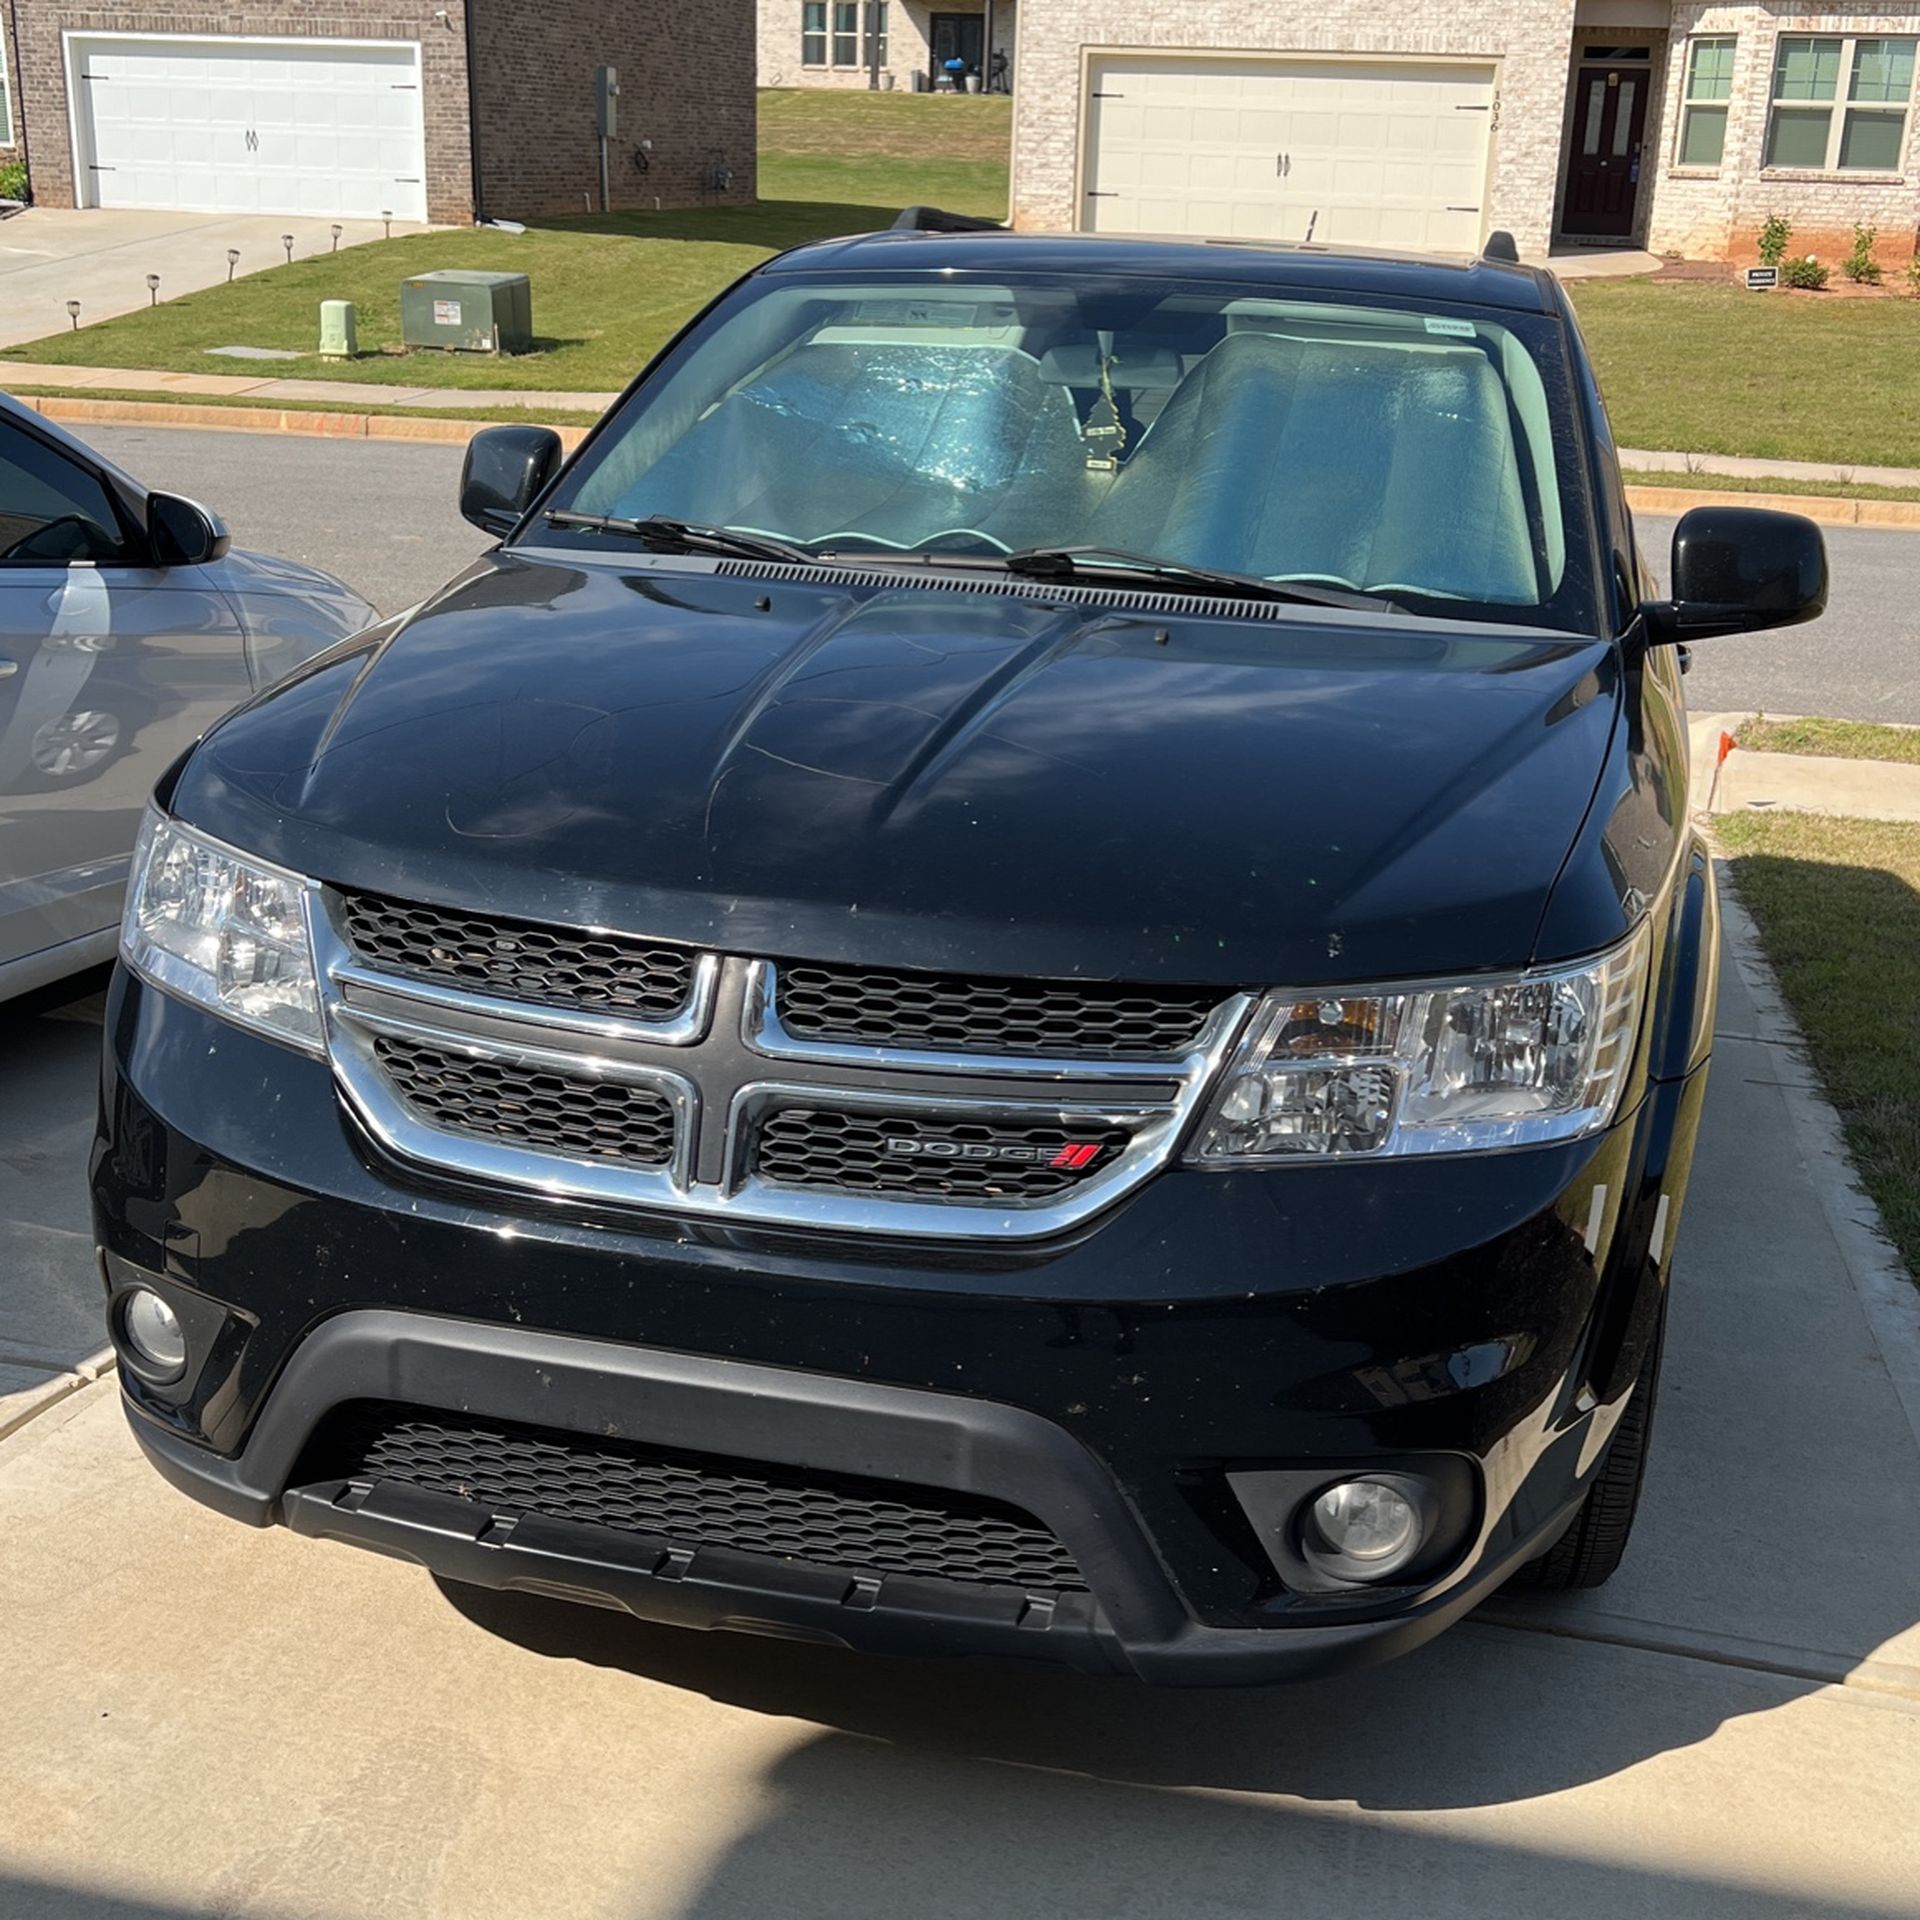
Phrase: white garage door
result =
(1387, 154)
(239, 126)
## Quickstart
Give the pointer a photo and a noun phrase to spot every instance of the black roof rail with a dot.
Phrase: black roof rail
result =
(1500, 246)
(939, 220)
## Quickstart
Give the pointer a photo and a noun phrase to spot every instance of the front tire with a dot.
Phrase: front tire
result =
(1591, 1549)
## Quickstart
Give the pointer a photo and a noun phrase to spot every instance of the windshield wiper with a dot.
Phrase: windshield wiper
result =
(663, 535)
(1063, 563)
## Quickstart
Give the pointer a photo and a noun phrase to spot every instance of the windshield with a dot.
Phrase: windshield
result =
(1423, 456)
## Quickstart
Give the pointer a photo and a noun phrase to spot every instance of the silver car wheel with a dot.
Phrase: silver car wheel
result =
(75, 742)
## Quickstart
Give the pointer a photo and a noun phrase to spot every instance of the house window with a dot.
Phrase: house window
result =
(813, 33)
(1840, 103)
(1703, 103)
(846, 33)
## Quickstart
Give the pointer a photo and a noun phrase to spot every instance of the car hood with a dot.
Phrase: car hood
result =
(914, 777)
(287, 610)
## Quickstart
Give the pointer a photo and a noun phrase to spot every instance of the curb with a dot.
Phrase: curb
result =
(1830, 510)
(19, 1410)
(320, 426)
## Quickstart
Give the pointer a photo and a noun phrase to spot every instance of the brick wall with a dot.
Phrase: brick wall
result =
(1530, 41)
(1710, 214)
(686, 84)
(41, 81)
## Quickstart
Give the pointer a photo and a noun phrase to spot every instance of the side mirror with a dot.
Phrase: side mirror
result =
(506, 470)
(1738, 570)
(183, 534)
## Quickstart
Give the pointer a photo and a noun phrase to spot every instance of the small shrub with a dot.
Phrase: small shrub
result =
(1806, 273)
(13, 180)
(1773, 240)
(1860, 265)
(1913, 276)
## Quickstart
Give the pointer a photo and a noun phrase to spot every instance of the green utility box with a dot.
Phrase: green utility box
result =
(467, 312)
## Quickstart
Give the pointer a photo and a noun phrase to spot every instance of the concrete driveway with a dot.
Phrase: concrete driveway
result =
(50, 255)
(198, 1720)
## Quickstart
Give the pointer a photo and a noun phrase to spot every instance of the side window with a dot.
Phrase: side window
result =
(52, 510)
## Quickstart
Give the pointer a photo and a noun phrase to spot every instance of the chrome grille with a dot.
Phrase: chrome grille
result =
(840, 1521)
(552, 1111)
(978, 1160)
(952, 1013)
(545, 966)
(827, 1097)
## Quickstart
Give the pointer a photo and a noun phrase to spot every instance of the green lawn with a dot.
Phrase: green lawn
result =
(1832, 739)
(1838, 905)
(1697, 367)
(606, 291)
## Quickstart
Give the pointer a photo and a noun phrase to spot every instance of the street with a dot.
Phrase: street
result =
(218, 1721)
(383, 517)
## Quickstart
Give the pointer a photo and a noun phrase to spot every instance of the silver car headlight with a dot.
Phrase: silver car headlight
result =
(223, 930)
(1454, 1067)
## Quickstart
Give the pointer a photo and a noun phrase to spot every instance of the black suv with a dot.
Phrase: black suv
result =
(1025, 975)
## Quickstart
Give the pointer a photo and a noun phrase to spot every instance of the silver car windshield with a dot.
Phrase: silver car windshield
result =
(1425, 456)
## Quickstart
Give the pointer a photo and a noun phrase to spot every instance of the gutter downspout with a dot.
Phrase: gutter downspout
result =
(473, 111)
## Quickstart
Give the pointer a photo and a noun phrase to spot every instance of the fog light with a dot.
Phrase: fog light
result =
(1368, 1528)
(152, 1329)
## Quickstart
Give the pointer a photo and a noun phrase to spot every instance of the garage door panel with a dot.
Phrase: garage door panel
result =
(1382, 151)
(308, 127)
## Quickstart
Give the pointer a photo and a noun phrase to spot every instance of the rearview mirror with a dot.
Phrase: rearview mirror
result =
(1738, 570)
(506, 470)
(182, 533)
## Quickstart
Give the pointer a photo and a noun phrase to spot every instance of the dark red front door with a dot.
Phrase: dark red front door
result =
(1603, 171)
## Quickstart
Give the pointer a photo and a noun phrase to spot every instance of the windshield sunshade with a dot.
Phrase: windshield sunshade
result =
(1368, 448)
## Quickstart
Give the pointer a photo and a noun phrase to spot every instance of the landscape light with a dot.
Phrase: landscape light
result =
(336, 237)
(233, 260)
(153, 289)
(73, 314)
(286, 240)
(386, 214)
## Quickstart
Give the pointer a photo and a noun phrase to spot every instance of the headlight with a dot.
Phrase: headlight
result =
(223, 930)
(1431, 1069)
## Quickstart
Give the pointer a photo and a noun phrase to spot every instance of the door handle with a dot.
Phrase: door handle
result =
(8, 668)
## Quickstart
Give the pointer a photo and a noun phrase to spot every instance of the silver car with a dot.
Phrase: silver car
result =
(127, 627)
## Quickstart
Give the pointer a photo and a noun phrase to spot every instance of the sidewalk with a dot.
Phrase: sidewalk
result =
(269, 390)
(1797, 782)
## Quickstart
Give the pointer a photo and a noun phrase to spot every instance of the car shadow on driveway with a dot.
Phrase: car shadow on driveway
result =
(951, 1790)
(1486, 1733)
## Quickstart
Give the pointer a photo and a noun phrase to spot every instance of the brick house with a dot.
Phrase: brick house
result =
(358, 107)
(831, 43)
(1674, 125)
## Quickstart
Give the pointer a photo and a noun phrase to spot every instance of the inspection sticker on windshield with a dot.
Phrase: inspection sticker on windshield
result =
(1463, 328)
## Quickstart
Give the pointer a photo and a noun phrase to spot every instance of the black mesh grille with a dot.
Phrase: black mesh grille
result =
(531, 1107)
(696, 1500)
(552, 966)
(934, 1159)
(949, 1013)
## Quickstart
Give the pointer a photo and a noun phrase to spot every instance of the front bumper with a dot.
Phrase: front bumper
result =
(1112, 1385)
